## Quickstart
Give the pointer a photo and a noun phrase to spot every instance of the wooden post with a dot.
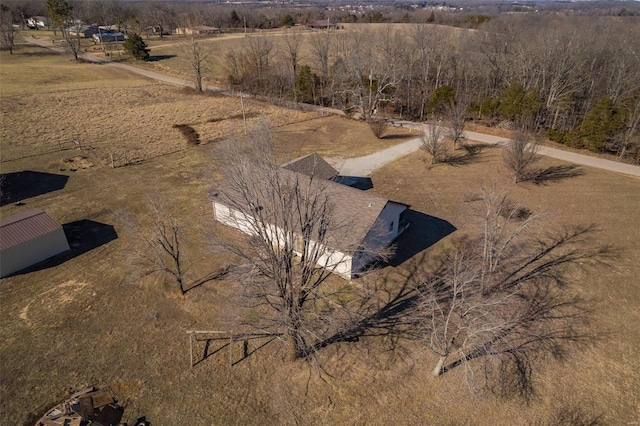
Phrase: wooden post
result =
(112, 164)
(191, 347)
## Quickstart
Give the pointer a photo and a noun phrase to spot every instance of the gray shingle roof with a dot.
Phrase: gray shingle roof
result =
(354, 211)
(312, 165)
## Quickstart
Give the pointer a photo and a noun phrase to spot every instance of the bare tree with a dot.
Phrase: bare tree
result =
(61, 12)
(320, 44)
(500, 297)
(7, 31)
(290, 251)
(197, 58)
(368, 70)
(161, 241)
(455, 120)
(520, 153)
(293, 42)
(432, 143)
(629, 139)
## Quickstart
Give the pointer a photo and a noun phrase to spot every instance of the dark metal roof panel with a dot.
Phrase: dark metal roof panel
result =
(25, 226)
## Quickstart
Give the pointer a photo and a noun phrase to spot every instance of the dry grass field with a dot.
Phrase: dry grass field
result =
(92, 317)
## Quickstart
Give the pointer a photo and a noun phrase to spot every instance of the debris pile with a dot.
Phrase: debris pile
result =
(89, 407)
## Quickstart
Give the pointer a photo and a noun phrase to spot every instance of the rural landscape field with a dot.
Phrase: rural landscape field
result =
(92, 144)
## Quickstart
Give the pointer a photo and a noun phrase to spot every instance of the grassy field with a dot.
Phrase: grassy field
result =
(93, 317)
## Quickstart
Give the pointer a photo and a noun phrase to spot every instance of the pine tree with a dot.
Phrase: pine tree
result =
(136, 46)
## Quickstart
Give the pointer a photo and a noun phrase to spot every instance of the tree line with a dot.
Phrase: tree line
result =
(576, 79)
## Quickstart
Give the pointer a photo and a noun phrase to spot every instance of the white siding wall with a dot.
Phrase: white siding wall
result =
(33, 251)
(383, 232)
(338, 262)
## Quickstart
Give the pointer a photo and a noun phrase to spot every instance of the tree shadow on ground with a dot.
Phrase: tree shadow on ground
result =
(396, 136)
(156, 58)
(214, 276)
(83, 236)
(424, 231)
(467, 154)
(19, 186)
(388, 316)
(554, 174)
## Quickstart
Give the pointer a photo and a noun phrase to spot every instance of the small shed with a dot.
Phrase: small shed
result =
(27, 238)
(322, 24)
(200, 29)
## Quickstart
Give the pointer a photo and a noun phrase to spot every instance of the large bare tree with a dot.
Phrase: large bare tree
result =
(289, 247)
(500, 297)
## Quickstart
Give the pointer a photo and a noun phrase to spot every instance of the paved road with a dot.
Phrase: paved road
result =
(364, 166)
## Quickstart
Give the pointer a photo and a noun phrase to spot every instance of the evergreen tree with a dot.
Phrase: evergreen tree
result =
(601, 125)
(288, 21)
(234, 19)
(136, 46)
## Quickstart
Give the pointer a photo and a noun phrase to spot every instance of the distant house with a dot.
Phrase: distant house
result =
(107, 37)
(36, 22)
(322, 24)
(373, 222)
(83, 31)
(201, 29)
(27, 238)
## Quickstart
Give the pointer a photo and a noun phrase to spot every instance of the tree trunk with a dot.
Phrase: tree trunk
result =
(437, 371)
(293, 346)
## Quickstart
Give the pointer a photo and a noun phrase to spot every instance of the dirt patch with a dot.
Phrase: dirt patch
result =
(79, 162)
(57, 305)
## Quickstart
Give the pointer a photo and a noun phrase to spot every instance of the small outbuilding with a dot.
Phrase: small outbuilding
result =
(322, 24)
(27, 238)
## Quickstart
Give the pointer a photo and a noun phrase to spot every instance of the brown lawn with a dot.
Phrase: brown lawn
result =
(98, 319)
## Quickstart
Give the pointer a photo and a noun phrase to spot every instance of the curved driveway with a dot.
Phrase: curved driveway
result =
(364, 166)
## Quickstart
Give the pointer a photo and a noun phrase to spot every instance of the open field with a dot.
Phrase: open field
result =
(125, 115)
(93, 317)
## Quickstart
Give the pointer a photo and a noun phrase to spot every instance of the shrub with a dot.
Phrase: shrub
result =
(378, 127)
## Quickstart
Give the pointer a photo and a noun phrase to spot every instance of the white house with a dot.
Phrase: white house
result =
(27, 238)
(36, 22)
(369, 223)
